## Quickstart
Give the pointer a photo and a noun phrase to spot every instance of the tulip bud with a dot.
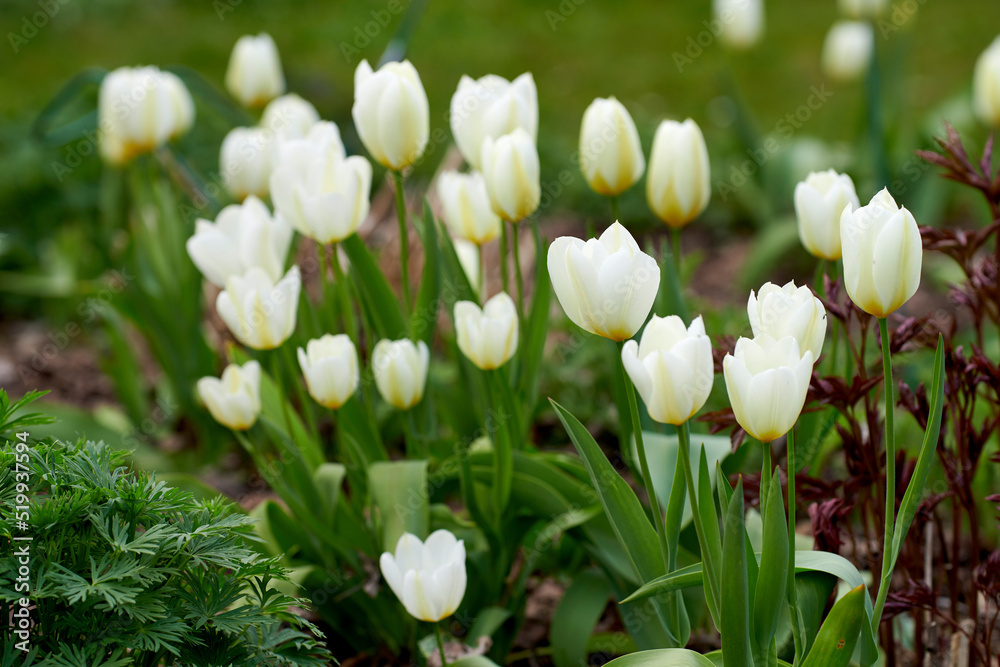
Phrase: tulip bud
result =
(243, 236)
(789, 311)
(607, 285)
(610, 153)
(677, 184)
(391, 113)
(468, 257)
(512, 173)
(492, 106)
(487, 335)
(324, 195)
(246, 160)
(289, 116)
(400, 368)
(767, 381)
(330, 367)
(740, 22)
(863, 9)
(847, 50)
(882, 255)
(140, 109)
(254, 75)
(819, 201)
(234, 401)
(671, 367)
(466, 207)
(260, 312)
(427, 577)
(986, 85)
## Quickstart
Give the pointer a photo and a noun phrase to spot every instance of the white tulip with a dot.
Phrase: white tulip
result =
(847, 50)
(428, 577)
(243, 236)
(607, 285)
(789, 311)
(487, 335)
(400, 368)
(767, 381)
(330, 367)
(289, 116)
(254, 75)
(246, 160)
(234, 401)
(140, 109)
(610, 153)
(863, 9)
(468, 257)
(986, 85)
(391, 113)
(882, 255)
(512, 175)
(324, 195)
(492, 106)
(740, 22)
(671, 367)
(260, 312)
(678, 183)
(819, 202)
(465, 205)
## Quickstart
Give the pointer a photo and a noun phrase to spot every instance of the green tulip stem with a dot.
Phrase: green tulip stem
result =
(797, 629)
(504, 280)
(615, 212)
(890, 475)
(818, 278)
(765, 474)
(345, 298)
(404, 245)
(675, 250)
(440, 643)
(647, 477)
(516, 247)
(481, 292)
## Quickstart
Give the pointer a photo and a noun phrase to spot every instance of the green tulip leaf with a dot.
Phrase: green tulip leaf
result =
(769, 598)
(399, 489)
(734, 614)
(835, 642)
(664, 657)
(576, 615)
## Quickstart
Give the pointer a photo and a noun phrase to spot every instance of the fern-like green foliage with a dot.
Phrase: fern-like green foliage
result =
(127, 571)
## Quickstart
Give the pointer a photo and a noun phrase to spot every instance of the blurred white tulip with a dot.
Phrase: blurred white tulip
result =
(789, 311)
(678, 185)
(487, 335)
(260, 312)
(512, 175)
(740, 22)
(863, 9)
(243, 236)
(986, 85)
(234, 401)
(391, 113)
(246, 160)
(429, 577)
(847, 50)
(139, 109)
(468, 257)
(324, 195)
(465, 205)
(671, 367)
(606, 286)
(492, 106)
(767, 381)
(819, 202)
(254, 74)
(883, 254)
(400, 368)
(610, 153)
(330, 367)
(289, 117)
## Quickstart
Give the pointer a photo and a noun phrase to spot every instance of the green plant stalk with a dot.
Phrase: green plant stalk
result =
(890, 475)
(765, 473)
(440, 643)
(615, 212)
(798, 633)
(675, 250)
(516, 247)
(404, 246)
(684, 462)
(647, 477)
(504, 280)
(346, 305)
